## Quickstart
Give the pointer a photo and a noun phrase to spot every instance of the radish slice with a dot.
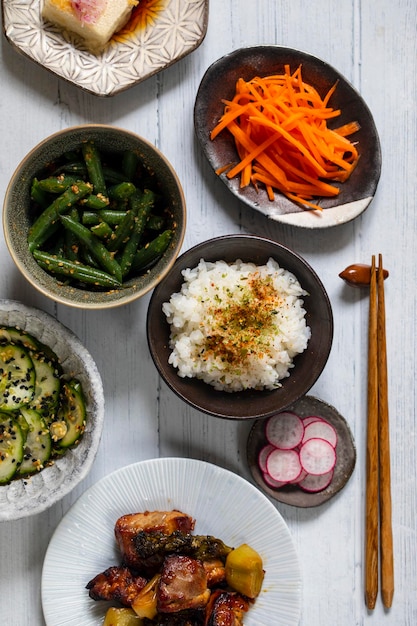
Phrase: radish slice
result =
(283, 465)
(301, 476)
(312, 483)
(317, 456)
(275, 484)
(263, 455)
(322, 430)
(284, 430)
(311, 418)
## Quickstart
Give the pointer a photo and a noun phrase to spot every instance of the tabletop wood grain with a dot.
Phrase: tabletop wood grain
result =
(374, 45)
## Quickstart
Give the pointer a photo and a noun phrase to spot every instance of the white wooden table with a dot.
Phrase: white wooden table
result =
(374, 45)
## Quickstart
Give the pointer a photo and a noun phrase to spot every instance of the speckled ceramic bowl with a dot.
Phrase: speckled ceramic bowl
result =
(248, 404)
(29, 496)
(16, 215)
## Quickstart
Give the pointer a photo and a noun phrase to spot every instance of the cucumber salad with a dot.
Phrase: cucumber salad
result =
(42, 411)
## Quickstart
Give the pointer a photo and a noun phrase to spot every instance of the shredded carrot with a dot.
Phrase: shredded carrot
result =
(279, 126)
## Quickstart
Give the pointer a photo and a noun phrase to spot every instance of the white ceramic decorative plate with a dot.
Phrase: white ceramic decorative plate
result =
(29, 496)
(160, 33)
(223, 505)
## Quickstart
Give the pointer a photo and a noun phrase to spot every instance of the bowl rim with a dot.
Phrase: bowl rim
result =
(80, 302)
(179, 385)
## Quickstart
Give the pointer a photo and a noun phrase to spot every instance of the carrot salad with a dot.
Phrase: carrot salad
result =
(279, 125)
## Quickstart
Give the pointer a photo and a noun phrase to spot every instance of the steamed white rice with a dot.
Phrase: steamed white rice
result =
(237, 326)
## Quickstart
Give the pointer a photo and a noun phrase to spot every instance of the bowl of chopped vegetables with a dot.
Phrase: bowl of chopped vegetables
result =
(94, 216)
(51, 423)
(288, 135)
(241, 327)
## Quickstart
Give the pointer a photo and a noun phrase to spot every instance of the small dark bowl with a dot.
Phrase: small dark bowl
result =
(345, 451)
(16, 222)
(308, 366)
(219, 83)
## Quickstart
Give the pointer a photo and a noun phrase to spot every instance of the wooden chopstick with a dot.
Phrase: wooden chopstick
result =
(378, 471)
(371, 519)
(386, 543)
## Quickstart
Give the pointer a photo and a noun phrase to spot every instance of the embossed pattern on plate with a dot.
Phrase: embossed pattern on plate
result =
(168, 31)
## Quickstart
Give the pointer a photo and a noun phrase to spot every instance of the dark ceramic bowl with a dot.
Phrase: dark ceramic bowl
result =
(219, 83)
(345, 452)
(308, 366)
(16, 220)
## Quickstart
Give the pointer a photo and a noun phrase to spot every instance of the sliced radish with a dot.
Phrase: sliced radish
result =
(322, 430)
(301, 476)
(311, 418)
(275, 484)
(263, 455)
(283, 465)
(312, 483)
(284, 430)
(317, 456)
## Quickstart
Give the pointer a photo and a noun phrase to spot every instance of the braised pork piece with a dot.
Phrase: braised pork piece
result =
(168, 576)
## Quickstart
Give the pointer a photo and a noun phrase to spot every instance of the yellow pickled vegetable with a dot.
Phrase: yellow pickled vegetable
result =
(122, 617)
(244, 571)
(144, 605)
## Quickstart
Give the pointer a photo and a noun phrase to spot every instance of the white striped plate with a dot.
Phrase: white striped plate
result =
(223, 505)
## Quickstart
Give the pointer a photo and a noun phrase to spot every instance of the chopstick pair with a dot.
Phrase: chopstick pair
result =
(378, 480)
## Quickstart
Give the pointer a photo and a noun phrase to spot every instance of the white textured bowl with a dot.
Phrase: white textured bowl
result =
(29, 496)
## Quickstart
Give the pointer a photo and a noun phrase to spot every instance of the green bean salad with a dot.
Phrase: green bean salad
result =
(97, 219)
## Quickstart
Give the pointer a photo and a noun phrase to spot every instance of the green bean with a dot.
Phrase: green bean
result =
(39, 231)
(122, 191)
(113, 217)
(102, 230)
(92, 160)
(130, 162)
(141, 205)
(95, 202)
(75, 270)
(152, 251)
(57, 184)
(38, 195)
(122, 232)
(71, 247)
(155, 222)
(99, 251)
(76, 167)
(113, 177)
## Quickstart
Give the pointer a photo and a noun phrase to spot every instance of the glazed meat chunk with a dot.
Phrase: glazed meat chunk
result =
(226, 608)
(116, 583)
(128, 526)
(183, 585)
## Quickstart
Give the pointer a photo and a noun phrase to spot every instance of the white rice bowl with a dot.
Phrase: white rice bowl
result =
(237, 326)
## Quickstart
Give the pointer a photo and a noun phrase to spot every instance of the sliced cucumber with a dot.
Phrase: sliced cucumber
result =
(47, 386)
(72, 413)
(11, 334)
(38, 445)
(17, 377)
(11, 447)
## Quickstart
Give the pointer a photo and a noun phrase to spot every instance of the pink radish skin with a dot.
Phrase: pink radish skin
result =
(300, 477)
(263, 455)
(275, 484)
(311, 418)
(283, 465)
(317, 456)
(320, 430)
(313, 484)
(284, 430)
